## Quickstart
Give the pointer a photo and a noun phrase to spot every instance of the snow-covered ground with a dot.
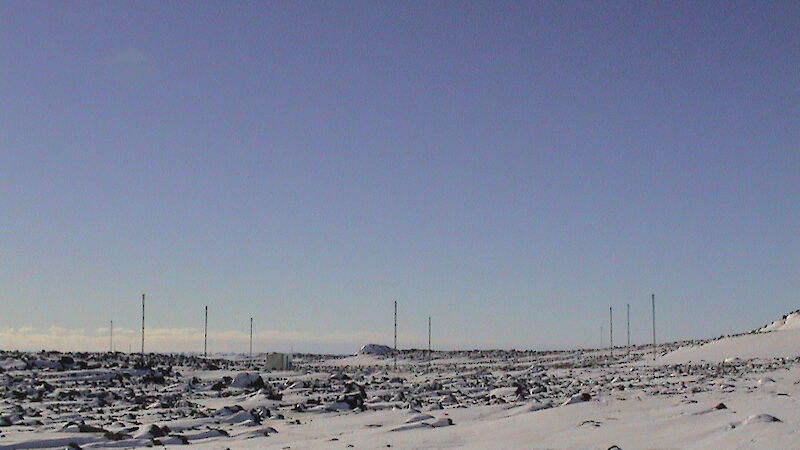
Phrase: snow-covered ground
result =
(733, 392)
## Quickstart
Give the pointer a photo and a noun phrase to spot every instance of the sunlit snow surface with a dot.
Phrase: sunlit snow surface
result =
(731, 392)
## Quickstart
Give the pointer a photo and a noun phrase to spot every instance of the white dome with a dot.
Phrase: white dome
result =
(376, 349)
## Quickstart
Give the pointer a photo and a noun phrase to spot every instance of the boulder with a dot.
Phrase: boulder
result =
(248, 380)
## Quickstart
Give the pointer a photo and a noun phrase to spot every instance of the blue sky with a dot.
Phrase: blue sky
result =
(510, 168)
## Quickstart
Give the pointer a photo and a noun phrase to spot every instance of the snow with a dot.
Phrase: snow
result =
(733, 392)
(778, 344)
(789, 322)
(358, 361)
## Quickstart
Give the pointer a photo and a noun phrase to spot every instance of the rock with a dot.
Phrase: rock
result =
(412, 426)
(80, 427)
(118, 436)
(577, 398)
(503, 392)
(760, 418)
(227, 410)
(353, 397)
(449, 399)
(150, 431)
(261, 412)
(590, 423)
(443, 422)
(66, 361)
(84, 428)
(419, 418)
(338, 406)
(175, 439)
(248, 380)
(241, 417)
(154, 378)
(220, 431)
(538, 406)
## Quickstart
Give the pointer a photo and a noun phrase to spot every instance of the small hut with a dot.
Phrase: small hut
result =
(277, 361)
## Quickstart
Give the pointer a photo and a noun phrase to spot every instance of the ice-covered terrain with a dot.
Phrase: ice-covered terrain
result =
(733, 392)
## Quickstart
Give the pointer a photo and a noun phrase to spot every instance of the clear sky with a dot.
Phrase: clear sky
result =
(511, 169)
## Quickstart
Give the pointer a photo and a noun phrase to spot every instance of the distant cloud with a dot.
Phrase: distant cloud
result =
(179, 340)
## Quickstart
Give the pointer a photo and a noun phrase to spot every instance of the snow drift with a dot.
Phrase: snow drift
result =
(790, 321)
(780, 339)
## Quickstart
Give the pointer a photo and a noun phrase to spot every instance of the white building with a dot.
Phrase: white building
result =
(277, 361)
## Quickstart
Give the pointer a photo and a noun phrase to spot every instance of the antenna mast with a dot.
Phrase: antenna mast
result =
(142, 327)
(629, 327)
(111, 338)
(251, 339)
(205, 337)
(653, 299)
(611, 327)
(395, 335)
(429, 337)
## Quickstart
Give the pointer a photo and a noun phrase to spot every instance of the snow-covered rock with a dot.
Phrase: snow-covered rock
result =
(577, 398)
(248, 380)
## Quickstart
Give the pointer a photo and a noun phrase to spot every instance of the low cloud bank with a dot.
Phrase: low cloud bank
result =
(177, 340)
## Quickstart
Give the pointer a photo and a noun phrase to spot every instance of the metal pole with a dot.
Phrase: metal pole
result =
(142, 327)
(429, 342)
(653, 299)
(395, 335)
(111, 338)
(629, 328)
(251, 339)
(601, 336)
(611, 327)
(205, 337)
